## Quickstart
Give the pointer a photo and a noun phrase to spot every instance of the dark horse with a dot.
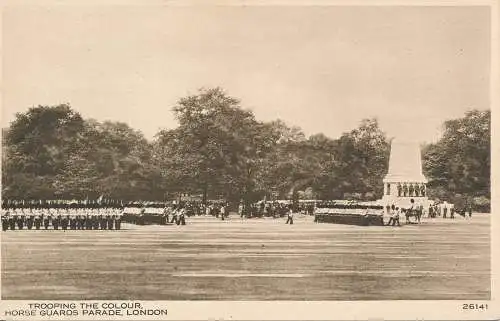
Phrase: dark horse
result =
(417, 213)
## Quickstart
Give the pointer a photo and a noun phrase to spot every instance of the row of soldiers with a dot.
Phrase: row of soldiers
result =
(62, 218)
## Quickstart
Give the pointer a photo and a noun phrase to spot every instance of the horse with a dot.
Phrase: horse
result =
(417, 213)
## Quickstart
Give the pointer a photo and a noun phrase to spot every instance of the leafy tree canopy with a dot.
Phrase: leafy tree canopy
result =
(220, 150)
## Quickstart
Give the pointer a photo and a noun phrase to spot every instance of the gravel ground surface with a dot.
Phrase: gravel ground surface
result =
(255, 259)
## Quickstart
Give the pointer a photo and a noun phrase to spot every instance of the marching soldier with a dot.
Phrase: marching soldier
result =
(5, 220)
(81, 221)
(88, 220)
(38, 219)
(165, 216)
(21, 219)
(95, 219)
(65, 221)
(118, 221)
(290, 217)
(46, 219)
(240, 209)
(102, 221)
(30, 219)
(174, 215)
(72, 221)
(222, 211)
(13, 220)
(182, 218)
(56, 220)
(110, 220)
(78, 221)
(114, 216)
(76, 217)
(90, 216)
(75, 213)
(98, 217)
(396, 216)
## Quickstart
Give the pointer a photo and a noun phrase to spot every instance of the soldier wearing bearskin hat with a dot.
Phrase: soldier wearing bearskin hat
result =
(30, 219)
(37, 218)
(109, 220)
(21, 218)
(5, 220)
(65, 220)
(95, 219)
(56, 221)
(47, 219)
(103, 222)
(88, 219)
(13, 219)
(118, 220)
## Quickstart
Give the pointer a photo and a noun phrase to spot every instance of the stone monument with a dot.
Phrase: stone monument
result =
(404, 180)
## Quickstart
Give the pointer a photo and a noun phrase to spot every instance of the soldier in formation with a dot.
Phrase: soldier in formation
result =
(60, 215)
(74, 215)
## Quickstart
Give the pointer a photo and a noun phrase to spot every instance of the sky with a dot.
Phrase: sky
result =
(322, 68)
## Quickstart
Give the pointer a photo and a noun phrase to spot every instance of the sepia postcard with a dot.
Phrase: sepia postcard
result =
(249, 160)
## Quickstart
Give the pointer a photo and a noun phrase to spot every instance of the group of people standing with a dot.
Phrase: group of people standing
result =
(445, 210)
(441, 209)
(61, 218)
(178, 213)
(394, 213)
(218, 210)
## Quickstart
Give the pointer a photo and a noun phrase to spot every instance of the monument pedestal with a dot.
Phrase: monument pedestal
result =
(404, 180)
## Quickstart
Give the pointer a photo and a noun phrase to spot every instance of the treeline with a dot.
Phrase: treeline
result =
(220, 150)
(458, 165)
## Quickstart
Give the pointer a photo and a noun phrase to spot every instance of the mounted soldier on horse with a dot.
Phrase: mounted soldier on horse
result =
(413, 211)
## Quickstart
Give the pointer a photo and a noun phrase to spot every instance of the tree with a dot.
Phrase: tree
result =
(459, 163)
(52, 152)
(363, 157)
(281, 170)
(215, 149)
(354, 163)
(219, 149)
(112, 160)
(37, 145)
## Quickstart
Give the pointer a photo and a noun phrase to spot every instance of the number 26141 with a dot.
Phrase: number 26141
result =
(474, 306)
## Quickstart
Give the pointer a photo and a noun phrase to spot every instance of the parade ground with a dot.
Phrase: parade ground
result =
(252, 259)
